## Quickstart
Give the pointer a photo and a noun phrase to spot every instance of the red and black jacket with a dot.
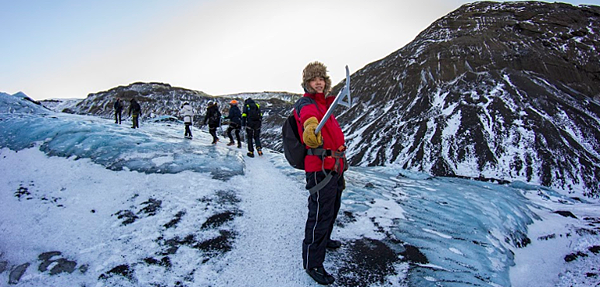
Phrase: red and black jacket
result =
(333, 137)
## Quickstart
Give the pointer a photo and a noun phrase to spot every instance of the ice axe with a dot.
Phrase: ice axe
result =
(342, 98)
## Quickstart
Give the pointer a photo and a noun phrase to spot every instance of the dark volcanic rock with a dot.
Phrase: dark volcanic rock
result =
(574, 256)
(59, 265)
(492, 90)
(566, 213)
(16, 274)
(3, 266)
(368, 262)
(121, 270)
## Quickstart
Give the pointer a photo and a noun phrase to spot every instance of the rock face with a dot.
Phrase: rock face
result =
(507, 91)
(154, 98)
(159, 99)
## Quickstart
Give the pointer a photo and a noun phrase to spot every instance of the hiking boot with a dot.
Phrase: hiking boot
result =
(260, 152)
(334, 244)
(250, 154)
(230, 143)
(320, 275)
(215, 141)
(239, 145)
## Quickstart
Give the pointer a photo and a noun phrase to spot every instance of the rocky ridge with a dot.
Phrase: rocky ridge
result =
(160, 99)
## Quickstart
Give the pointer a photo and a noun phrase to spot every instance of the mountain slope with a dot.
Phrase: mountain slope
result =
(508, 91)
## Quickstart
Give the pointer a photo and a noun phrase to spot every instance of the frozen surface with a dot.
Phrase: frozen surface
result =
(116, 147)
(145, 207)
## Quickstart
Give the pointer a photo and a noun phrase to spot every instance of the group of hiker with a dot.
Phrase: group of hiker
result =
(324, 156)
(249, 119)
(135, 111)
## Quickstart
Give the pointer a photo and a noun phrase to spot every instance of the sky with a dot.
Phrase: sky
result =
(70, 48)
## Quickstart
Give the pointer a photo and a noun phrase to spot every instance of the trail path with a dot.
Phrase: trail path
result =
(267, 250)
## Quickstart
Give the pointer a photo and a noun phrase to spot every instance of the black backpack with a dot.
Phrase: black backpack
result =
(117, 106)
(215, 118)
(136, 109)
(293, 148)
(253, 112)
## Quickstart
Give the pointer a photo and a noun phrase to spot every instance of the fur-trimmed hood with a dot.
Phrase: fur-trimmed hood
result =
(313, 70)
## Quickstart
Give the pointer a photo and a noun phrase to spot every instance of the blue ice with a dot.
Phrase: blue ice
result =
(117, 147)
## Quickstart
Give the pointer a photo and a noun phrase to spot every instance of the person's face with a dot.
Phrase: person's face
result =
(317, 84)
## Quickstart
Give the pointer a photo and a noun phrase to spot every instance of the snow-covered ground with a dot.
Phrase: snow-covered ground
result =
(85, 202)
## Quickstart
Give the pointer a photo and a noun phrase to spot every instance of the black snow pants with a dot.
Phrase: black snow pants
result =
(213, 132)
(323, 207)
(188, 131)
(234, 127)
(118, 116)
(253, 138)
(134, 121)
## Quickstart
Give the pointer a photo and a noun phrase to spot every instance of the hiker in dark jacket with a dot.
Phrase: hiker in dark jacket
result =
(252, 120)
(324, 203)
(135, 111)
(118, 110)
(235, 122)
(213, 117)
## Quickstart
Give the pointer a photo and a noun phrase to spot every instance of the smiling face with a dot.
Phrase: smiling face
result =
(317, 84)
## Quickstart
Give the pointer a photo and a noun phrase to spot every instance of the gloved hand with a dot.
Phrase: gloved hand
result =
(311, 139)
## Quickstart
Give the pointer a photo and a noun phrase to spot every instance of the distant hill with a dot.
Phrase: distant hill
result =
(158, 99)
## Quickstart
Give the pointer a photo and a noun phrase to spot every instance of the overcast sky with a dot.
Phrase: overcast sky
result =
(70, 48)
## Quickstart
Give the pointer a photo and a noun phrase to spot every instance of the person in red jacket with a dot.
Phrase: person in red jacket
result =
(324, 164)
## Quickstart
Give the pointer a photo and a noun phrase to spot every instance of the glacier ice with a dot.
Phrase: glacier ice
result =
(116, 147)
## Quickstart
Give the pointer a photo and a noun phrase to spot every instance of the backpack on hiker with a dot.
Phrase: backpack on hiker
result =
(215, 118)
(253, 112)
(293, 148)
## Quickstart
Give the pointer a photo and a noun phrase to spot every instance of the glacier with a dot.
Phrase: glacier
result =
(86, 202)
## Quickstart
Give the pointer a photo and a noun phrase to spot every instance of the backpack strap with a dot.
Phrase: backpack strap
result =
(321, 184)
(300, 103)
(335, 154)
(323, 153)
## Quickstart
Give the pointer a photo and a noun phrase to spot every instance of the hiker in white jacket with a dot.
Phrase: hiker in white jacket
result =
(188, 114)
